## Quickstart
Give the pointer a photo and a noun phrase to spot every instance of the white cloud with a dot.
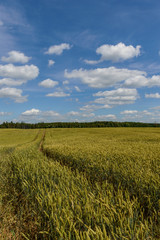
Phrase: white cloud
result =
(129, 112)
(116, 97)
(118, 52)
(37, 112)
(80, 114)
(73, 113)
(115, 53)
(65, 82)
(88, 115)
(91, 62)
(93, 107)
(103, 77)
(105, 117)
(16, 57)
(77, 89)
(5, 114)
(137, 81)
(50, 114)
(108, 77)
(152, 95)
(58, 94)
(142, 81)
(51, 63)
(13, 93)
(145, 112)
(1, 23)
(156, 108)
(31, 112)
(10, 82)
(154, 81)
(48, 83)
(19, 73)
(142, 116)
(36, 115)
(58, 49)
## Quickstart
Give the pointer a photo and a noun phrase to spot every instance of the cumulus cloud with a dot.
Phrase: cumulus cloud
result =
(152, 95)
(31, 112)
(146, 112)
(93, 107)
(65, 82)
(73, 113)
(21, 74)
(10, 82)
(142, 116)
(5, 114)
(108, 77)
(115, 53)
(129, 112)
(116, 97)
(142, 81)
(48, 83)
(37, 112)
(16, 57)
(118, 52)
(154, 81)
(13, 93)
(88, 115)
(91, 62)
(156, 108)
(77, 89)
(137, 81)
(105, 117)
(51, 63)
(36, 115)
(50, 114)
(58, 49)
(80, 114)
(103, 77)
(58, 94)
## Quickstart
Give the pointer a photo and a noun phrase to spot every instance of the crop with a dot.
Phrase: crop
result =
(84, 184)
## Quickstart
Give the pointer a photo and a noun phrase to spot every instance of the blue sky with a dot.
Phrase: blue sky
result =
(88, 60)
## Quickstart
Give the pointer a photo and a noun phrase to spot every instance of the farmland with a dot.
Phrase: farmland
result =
(95, 183)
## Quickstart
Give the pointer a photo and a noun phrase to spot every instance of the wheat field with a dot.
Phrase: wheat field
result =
(97, 183)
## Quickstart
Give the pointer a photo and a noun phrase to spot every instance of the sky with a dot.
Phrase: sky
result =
(79, 61)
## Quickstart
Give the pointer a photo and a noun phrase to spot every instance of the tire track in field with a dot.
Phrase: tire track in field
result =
(41, 142)
(34, 139)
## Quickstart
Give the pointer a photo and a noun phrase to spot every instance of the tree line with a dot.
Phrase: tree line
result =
(23, 125)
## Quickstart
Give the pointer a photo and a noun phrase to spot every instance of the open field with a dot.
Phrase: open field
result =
(99, 183)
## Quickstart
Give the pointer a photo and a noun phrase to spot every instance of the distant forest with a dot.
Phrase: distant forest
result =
(23, 125)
